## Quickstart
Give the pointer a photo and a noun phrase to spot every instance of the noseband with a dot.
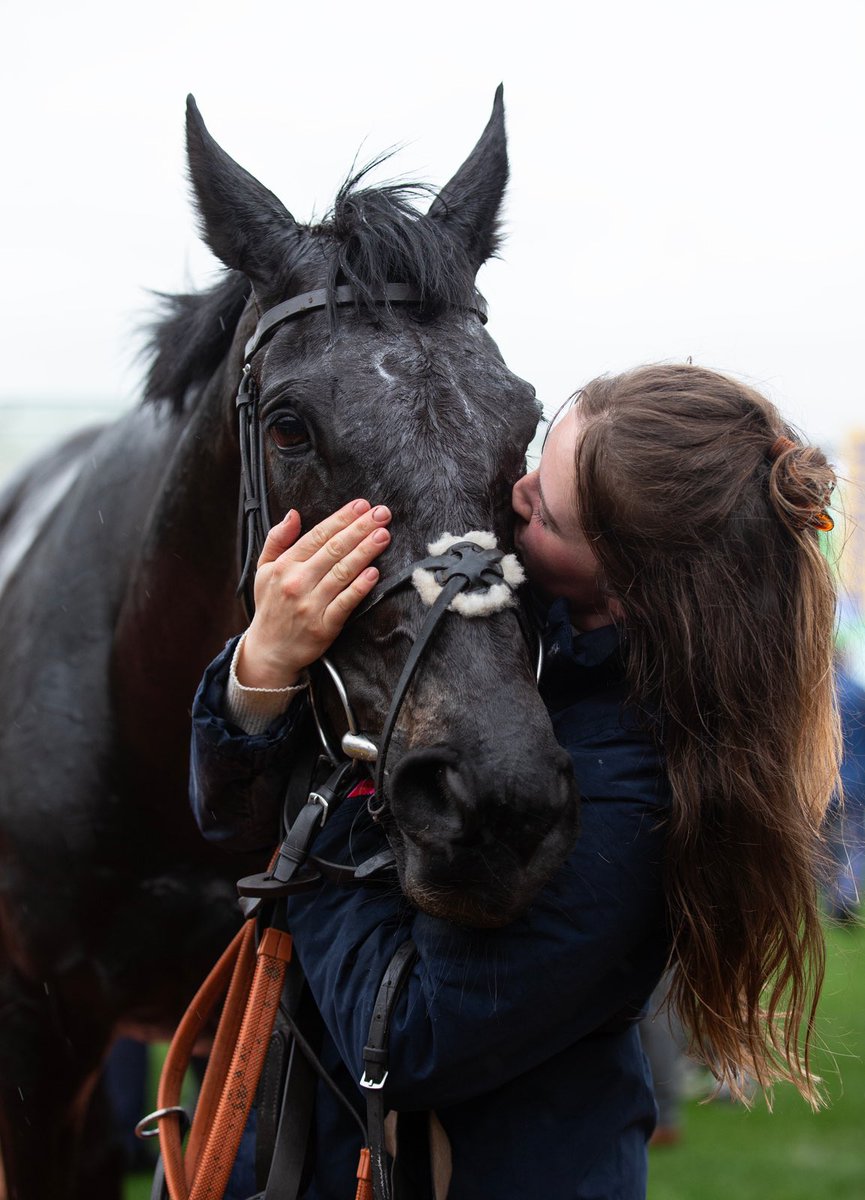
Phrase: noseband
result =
(470, 566)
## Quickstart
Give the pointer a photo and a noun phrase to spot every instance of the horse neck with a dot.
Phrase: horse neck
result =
(180, 605)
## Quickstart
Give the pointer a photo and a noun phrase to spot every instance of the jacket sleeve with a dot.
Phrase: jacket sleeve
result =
(237, 780)
(481, 1007)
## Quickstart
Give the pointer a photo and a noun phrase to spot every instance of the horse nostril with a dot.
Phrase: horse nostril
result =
(439, 802)
(433, 800)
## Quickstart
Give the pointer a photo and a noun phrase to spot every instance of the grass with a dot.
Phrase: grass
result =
(790, 1154)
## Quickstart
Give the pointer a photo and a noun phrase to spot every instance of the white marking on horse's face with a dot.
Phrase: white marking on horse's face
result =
(29, 521)
(378, 363)
(445, 368)
(459, 394)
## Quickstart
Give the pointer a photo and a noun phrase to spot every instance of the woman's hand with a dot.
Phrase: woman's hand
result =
(306, 589)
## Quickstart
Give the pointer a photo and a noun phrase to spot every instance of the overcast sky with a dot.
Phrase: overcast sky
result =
(686, 179)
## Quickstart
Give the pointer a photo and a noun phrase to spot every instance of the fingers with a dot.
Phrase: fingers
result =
(331, 550)
(325, 531)
(307, 587)
(348, 568)
(327, 543)
(280, 537)
(345, 602)
(310, 585)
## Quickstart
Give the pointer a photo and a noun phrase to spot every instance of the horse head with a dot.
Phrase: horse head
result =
(410, 404)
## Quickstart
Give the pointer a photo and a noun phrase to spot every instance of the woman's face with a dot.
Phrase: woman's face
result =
(553, 547)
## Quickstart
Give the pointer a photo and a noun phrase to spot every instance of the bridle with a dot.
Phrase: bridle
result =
(464, 567)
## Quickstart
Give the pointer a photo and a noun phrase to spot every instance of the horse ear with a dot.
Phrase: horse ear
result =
(243, 223)
(469, 204)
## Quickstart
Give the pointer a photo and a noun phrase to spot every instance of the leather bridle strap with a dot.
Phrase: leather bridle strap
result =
(254, 514)
(290, 871)
(456, 584)
(375, 1063)
(480, 570)
(392, 293)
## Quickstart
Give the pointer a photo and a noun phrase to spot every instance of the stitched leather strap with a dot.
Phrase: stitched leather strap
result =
(289, 873)
(393, 293)
(220, 1149)
(450, 589)
(235, 965)
(375, 1060)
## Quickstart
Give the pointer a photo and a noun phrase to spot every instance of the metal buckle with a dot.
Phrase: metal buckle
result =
(317, 798)
(371, 1084)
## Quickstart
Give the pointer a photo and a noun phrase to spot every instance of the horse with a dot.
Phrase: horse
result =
(118, 569)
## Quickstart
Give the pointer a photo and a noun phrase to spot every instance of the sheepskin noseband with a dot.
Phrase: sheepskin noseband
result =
(495, 577)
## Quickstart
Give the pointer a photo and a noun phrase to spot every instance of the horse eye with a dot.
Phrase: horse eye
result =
(288, 432)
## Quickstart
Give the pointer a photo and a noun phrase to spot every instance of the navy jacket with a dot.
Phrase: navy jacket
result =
(522, 1039)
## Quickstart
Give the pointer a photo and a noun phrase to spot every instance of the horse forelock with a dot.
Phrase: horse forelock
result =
(380, 236)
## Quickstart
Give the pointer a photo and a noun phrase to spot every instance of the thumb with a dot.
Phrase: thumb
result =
(280, 537)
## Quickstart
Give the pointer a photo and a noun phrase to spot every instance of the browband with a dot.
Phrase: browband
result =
(392, 293)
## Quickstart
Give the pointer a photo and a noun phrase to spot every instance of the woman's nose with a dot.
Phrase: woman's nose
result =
(521, 496)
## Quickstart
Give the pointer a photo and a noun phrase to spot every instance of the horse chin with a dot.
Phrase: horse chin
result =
(468, 910)
(460, 887)
(476, 906)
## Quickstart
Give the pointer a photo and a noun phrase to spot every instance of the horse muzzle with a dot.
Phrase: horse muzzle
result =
(473, 845)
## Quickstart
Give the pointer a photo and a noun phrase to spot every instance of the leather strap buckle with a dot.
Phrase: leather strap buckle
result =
(372, 1084)
(324, 805)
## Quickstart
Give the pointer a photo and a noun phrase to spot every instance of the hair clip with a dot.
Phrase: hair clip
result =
(780, 446)
(820, 520)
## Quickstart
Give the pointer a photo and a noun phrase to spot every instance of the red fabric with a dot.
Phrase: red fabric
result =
(364, 788)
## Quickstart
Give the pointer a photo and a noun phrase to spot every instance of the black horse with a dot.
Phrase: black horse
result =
(118, 573)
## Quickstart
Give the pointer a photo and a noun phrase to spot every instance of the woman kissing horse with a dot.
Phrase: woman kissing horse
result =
(118, 575)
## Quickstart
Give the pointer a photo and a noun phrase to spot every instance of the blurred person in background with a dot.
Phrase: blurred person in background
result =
(845, 826)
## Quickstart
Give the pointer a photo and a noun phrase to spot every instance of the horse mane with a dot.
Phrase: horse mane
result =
(378, 235)
(190, 337)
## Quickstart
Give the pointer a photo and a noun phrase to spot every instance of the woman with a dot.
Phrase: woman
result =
(673, 527)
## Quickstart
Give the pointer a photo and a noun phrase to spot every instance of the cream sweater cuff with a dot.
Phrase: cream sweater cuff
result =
(251, 708)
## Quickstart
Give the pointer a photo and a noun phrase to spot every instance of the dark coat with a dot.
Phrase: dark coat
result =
(523, 1039)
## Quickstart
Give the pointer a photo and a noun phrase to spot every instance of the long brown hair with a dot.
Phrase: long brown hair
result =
(702, 506)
